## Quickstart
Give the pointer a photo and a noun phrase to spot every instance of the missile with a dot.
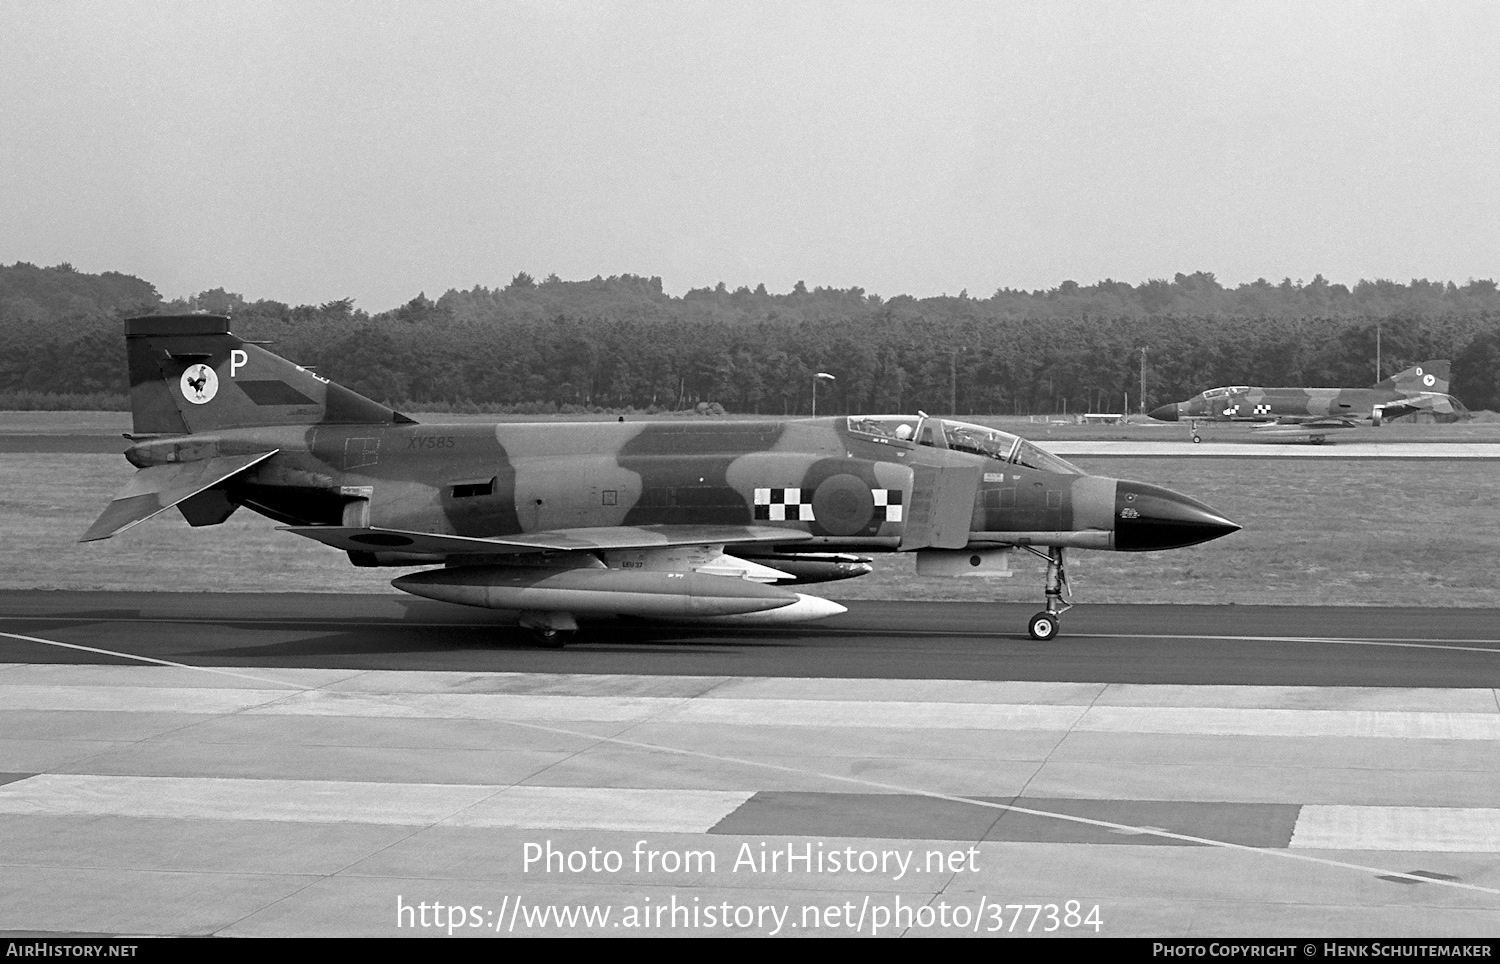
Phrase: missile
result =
(597, 591)
(806, 567)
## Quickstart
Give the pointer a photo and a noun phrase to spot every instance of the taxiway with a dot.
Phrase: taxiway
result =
(247, 764)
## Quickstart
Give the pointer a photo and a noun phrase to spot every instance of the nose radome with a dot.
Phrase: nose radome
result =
(1166, 413)
(1151, 517)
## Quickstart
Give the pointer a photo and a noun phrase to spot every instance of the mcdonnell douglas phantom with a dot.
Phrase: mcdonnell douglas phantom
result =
(1421, 388)
(683, 520)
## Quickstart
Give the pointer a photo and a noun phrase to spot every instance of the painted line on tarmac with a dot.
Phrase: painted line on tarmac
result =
(1398, 643)
(859, 781)
(291, 624)
(1004, 807)
(149, 659)
(278, 621)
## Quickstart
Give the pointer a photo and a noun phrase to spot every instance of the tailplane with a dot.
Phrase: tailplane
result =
(190, 374)
(1430, 376)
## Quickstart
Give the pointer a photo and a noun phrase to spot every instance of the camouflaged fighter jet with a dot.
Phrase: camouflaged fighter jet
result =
(1422, 388)
(679, 520)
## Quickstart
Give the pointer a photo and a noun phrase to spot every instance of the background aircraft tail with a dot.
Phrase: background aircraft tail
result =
(189, 374)
(1430, 376)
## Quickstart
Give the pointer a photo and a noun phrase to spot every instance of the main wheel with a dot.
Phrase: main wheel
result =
(1043, 626)
(1197, 439)
(549, 638)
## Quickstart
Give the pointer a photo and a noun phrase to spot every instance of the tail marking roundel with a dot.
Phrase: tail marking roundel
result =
(199, 384)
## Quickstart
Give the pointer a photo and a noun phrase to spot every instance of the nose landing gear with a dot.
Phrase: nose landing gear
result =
(1045, 624)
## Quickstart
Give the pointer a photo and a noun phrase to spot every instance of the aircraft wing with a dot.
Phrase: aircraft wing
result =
(1310, 431)
(352, 539)
(1313, 421)
(157, 488)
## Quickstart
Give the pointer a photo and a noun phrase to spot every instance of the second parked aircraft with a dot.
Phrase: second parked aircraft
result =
(1421, 388)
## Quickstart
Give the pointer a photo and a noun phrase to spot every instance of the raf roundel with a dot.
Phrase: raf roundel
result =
(200, 384)
(844, 504)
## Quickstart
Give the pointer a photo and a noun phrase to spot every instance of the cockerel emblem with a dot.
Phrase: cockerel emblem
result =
(199, 384)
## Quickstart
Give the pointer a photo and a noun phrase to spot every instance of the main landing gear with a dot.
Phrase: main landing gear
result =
(549, 638)
(549, 630)
(1045, 624)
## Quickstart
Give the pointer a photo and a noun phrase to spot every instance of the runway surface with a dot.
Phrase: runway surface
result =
(1286, 448)
(240, 764)
(1244, 645)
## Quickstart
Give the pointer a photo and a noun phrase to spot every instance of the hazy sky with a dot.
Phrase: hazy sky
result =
(307, 151)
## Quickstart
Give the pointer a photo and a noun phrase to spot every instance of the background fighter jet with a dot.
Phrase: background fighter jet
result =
(1423, 388)
(699, 520)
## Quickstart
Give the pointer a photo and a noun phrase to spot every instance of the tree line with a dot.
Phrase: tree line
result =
(621, 343)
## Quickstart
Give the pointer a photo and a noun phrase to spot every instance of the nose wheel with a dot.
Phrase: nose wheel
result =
(1045, 624)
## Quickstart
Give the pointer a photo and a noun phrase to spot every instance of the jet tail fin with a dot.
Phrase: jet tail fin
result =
(1430, 376)
(190, 374)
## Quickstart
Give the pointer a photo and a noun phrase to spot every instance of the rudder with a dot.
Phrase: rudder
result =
(191, 374)
(1430, 376)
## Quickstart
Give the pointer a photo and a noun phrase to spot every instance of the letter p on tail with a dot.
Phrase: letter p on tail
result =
(190, 374)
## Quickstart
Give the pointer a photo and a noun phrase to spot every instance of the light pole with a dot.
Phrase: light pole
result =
(953, 379)
(1143, 382)
(825, 377)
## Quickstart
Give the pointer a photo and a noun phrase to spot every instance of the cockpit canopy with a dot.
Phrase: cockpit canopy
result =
(945, 433)
(1222, 392)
